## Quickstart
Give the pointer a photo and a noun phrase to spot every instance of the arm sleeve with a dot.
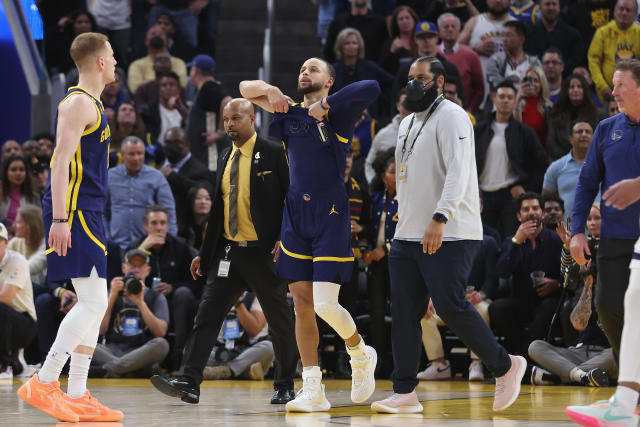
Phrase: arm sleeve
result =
(347, 104)
(164, 197)
(550, 182)
(510, 258)
(591, 175)
(160, 308)
(455, 138)
(595, 57)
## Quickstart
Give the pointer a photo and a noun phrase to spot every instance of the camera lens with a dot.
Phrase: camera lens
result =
(132, 284)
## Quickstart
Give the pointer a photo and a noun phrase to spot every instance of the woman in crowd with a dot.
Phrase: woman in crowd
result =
(125, 123)
(402, 43)
(573, 104)
(191, 226)
(29, 241)
(352, 67)
(532, 102)
(58, 58)
(384, 219)
(17, 190)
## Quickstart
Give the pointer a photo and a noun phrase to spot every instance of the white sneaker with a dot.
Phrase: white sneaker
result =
(601, 413)
(310, 398)
(7, 374)
(476, 371)
(436, 371)
(363, 381)
(508, 385)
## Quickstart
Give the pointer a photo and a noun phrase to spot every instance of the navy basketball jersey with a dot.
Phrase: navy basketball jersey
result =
(88, 168)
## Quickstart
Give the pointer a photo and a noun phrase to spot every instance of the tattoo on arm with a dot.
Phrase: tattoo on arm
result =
(582, 311)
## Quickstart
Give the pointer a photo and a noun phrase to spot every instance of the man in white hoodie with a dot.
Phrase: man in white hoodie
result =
(437, 237)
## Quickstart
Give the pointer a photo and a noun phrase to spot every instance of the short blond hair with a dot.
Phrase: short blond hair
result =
(87, 45)
(342, 35)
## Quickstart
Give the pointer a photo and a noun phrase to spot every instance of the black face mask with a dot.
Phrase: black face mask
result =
(419, 96)
(156, 42)
(173, 153)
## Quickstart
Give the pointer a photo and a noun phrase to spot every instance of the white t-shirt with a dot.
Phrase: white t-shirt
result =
(111, 14)
(168, 119)
(497, 172)
(14, 270)
(441, 175)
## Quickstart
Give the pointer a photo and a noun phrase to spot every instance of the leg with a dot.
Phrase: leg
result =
(602, 360)
(306, 326)
(102, 355)
(483, 310)
(183, 305)
(506, 321)
(431, 338)
(542, 315)
(378, 290)
(49, 318)
(153, 351)
(557, 360)
(254, 354)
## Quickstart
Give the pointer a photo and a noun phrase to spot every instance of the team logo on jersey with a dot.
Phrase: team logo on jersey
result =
(105, 134)
(298, 127)
(306, 197)
(616, 135)
(333, 210)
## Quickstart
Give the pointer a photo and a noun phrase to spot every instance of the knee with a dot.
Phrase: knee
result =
(162, 347)
(44, 301)
(303, 304)
(535, 347)
(182, 295)
(325, 309)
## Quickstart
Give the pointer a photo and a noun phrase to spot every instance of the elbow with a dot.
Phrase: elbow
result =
(242, 87)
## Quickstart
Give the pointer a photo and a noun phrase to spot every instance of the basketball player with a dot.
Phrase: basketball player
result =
(72, 209)
(315, 237)
(620, 409)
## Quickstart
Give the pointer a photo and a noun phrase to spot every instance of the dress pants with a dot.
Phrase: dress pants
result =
(251, 268)
(416, 276)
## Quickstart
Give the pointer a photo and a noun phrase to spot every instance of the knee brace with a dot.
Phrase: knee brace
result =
(325, 304)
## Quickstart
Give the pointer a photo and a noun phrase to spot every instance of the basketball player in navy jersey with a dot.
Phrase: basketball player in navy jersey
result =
(315, 248)
(72, 209)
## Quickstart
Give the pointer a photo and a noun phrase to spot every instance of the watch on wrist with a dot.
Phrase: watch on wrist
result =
(438, 217)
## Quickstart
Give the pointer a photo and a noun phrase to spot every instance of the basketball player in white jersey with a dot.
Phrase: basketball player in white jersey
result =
(620, 409)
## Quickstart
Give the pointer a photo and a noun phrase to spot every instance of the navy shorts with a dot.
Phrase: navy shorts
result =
(315, 242)
(88, 247)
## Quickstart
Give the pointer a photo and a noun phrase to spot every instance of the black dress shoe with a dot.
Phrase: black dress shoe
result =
(282, 396)
(183, 389)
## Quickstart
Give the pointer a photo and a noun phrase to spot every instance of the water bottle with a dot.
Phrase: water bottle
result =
(156, 281)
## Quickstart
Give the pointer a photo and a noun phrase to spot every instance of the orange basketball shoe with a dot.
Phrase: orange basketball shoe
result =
(88, 408)
(48, 398)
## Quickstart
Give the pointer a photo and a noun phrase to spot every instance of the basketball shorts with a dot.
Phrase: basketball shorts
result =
(88, 247)
(315, 242)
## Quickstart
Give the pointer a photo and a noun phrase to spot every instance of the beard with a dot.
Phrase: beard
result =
(312, 87)
(536, 218)
(498, 12)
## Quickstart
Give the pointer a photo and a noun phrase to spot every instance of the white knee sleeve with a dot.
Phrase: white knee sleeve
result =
(630, 347)
(325, 303)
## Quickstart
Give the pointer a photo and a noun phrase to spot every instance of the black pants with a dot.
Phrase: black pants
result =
(499, 211)
(416, 277)
(379, 294)
(251, 268)
(614, 256)
(510, 316)
(17, 330)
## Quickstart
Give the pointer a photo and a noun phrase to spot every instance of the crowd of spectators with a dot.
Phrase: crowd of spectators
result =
(534, 79)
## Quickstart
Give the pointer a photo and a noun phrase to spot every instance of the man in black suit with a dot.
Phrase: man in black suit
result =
(182, 169)
(238, 252)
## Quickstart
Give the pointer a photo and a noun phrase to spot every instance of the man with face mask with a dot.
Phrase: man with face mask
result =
(439, 232)
(532, 258)
(142, 70)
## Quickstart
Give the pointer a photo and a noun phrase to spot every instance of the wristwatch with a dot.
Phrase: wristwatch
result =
(438, 217)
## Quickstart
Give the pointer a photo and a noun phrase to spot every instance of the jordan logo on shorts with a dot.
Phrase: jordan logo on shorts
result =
(333, 210)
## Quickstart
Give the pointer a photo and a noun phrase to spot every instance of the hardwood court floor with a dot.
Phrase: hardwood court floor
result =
(245, 403)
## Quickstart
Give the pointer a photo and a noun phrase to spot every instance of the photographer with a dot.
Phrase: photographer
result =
(135, 322)
(590, 362)
(533, 249)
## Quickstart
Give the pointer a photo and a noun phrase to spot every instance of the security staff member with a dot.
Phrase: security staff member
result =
(243, 229)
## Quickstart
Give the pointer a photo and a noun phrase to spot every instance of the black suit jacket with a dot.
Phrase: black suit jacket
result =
(268, 188)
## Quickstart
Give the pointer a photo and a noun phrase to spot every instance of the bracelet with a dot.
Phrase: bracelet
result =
(60, 220)
(322, 101)
(514, 240)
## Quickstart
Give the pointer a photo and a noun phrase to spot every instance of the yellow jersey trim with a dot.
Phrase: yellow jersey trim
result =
(356, 200)
(76, 163)
(48, 251)
(342, 139)
(90, 234)
(294, 255)
(333, 258)
(96, 126)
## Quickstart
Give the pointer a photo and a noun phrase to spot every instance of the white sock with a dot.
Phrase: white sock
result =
(358, 350)
(53, 365)
(627, 399)
(78, 371)
(311, 371)
(441, 364)
(576, 374)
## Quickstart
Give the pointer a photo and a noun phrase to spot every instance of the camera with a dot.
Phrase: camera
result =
(527, 80)
(132, 284)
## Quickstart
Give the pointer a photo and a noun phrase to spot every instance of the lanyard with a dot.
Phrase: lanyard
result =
(406, 136)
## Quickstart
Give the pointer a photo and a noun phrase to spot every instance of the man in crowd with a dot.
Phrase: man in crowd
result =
(562, 175)
(553, 211)
(133, 187)
(168, 111)
(553, 66)
(135, 323)
(510, 161)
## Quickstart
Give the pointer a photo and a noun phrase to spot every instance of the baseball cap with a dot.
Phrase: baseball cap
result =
(133, 252)
(203, 62)
(3, 232)
(426, 27)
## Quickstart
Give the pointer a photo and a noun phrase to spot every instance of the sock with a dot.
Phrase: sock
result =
(356, 351)
(53, 365)
(312, 371)
(576, 374)
(78, 371)
(627, 399)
